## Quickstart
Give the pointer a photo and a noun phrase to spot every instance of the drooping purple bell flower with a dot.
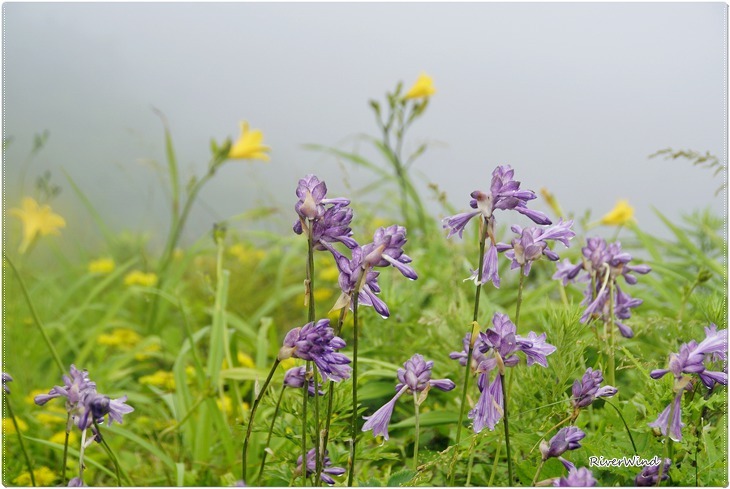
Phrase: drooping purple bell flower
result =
(317, 342)
(413, 378)
(296, 376)
(75, 384)
(567, 438)
(532, 244)
(312, 192)
(649, 475)
(327, 469)
(387, 249)
(97, 406)
(586, 391)
(333, 226)
(581, 477)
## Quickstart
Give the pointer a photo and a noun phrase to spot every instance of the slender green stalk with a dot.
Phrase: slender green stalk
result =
(36, 319)
(318, 457)
(519, 296)
(496, 461)
(251, 419)
(331, 393)
(65, 450)
(82, 448)
(305, 393)
(537, 474)
(110, 453)
(505, 420)
(467, 370)
(472, 454)
(620, 415)
(418, 433)
(612, 337)
(271, 431)
(20, 439)
(353, 426)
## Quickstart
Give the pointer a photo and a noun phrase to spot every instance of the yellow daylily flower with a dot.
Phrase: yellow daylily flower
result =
(423, 88)
(37, 220)
(162, 379)
(138, 277)
(248, 146)
(621, 214)
(121, 337)
(102, 266)
(44, 477)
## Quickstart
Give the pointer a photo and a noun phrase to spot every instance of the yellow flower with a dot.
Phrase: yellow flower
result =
(44, 477)
(621, 214)
(423, 88)
(137, 277)
(227, 405)
(162, 379)
(248, 146)
(288, 363)
(245, 360)
(329, 273)
(102, 266)
(46, 418)
(122, 337)
(321, 294)
(37, 220)
(9, 427)
(60, 438)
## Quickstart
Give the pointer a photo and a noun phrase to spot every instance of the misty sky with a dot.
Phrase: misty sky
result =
(573, 96)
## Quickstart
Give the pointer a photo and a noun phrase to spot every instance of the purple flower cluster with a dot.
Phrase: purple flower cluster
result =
(296, 376)
(649, 475)
(581, 477)
(330, 218)
(386, 249)
(327, 471)
(83, 403)
(567, 438)
(603, 264)
(414, 377)
(532, 244)
(586, 391)
(495, 349)
(504, 194)
(693, 358)
(317, 342)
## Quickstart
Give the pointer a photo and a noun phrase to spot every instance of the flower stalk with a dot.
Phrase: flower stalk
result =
(505, 420)
(271, 431)
(255, 406)
(353, 426)
(418, 432)
(20, 440)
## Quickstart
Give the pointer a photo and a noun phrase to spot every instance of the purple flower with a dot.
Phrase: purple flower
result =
(532, 244)
(414, 377)
(603, 264)
(333, 226)
(295, 378)
(587, 390)
(327, 468)
(649, 475)
(76, 482)
(567, 438)
(97, 406)
(477, 356)
(6, 378)
(387, 249)
(504, 194)
(75, 385)
(691, 359)
(577, 478)
(498, 348)
(311, 193)
(317, 342)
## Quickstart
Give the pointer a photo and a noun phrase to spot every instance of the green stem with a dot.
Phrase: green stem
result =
(519, 296)
(36, 319)
(318, 457)
(331, 393)
(82, 448)
(415, 444)
(467, 370)
(472, 454)
(65, 450)
(620, 415)
(271, 431)
(20, 440)
(537, 474)
(505, 420)
(251, 419)
(110, 453)
(494, 465)
(353, 425)
(612, 338)
(305, 393)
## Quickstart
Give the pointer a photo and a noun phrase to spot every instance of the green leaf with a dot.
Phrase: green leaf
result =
(431, 418)
(400, 478)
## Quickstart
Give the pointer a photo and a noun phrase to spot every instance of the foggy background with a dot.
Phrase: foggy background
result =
(573, 96)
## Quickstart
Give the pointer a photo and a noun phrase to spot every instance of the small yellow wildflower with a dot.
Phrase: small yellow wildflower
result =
(47, 418)
(621, 214)
(44, 477)
(147, 352)
(321, 294)
(102, 266)
(329, 273)
(227, 405)
(121, 337)
(162, 379)
(248, 146)
(423, 88)
(245, 360)
(138, 277)
(288, 363)
(60, 438)
(37, 220)
(9, 427)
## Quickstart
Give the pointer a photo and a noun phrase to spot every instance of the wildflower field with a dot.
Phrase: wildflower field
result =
(505, 342)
